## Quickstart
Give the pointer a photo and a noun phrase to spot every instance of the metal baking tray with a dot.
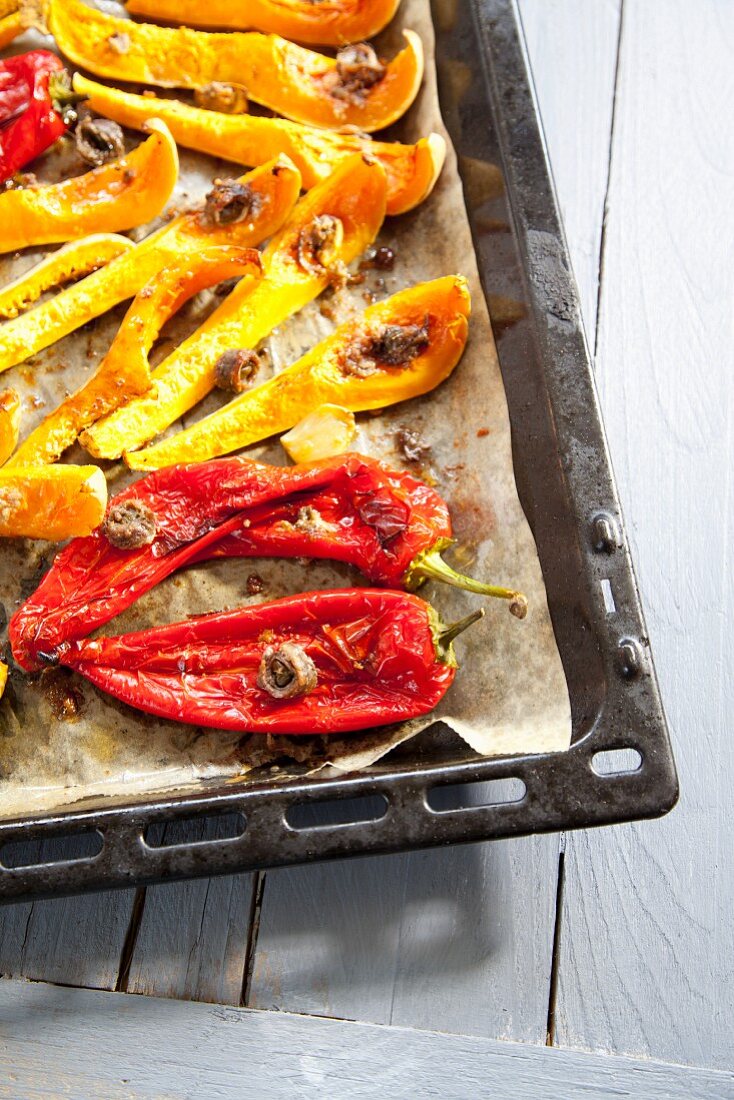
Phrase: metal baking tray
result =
(409, 799)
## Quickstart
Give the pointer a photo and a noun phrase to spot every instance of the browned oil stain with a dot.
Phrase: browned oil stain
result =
(62, 694)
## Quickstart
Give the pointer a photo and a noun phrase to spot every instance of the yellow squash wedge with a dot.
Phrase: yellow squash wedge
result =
(3, 666)
(412, 170)
(120, 195)
(355, 367)
(125, 371)
(9, 423)
(294, 81)
(10, 27)
(63, 266)
(327, 23)
(275, 186)
(351, 204)
(51, 502)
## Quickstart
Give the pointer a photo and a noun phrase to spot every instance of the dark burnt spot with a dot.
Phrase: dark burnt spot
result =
(358, 70)
(235, 369)
(397, 345)
(255, 584)
(286, 670)
(99, 140)
(230, 201)
(379, 259)
(130, 525)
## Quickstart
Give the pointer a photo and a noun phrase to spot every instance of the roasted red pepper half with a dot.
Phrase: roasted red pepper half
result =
(350, 508)
(321, 662)
(36, 101)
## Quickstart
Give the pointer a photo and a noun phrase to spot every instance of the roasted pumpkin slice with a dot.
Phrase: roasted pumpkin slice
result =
(51, 502)
(355, 89)
(241, 212)
(331, 225)
(9, 423)
(411, 170)
(400, 348)
(327, 23)
(119, 195)
(63, 266)
(10, 27)
(125, 371)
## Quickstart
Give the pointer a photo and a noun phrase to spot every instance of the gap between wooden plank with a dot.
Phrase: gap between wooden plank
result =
(252, 935)
(603, 234)
(131, 937)
(555, 960)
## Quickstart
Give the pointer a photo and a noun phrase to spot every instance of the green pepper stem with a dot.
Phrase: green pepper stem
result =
(431, 564)
(453, 630)
(61, 91)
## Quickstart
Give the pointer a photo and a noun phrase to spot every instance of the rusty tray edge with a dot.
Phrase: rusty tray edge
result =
(500, 125)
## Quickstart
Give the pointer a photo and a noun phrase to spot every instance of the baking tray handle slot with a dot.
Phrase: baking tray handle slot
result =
(615, 762)
(449, 797)
(205, 828)
(324, 813)
(62, 849)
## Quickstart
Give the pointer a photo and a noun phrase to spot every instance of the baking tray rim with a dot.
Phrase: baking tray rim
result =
(553, 781)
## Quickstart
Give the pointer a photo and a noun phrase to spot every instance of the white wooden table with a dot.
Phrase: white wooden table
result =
(617, 941)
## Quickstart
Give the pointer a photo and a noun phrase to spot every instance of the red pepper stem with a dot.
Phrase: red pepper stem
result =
(453, 630)
(430, 564)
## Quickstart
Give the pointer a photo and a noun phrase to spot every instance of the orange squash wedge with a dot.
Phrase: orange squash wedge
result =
(125, 370)
(412, 170)
(276, 187)
(351, 203)
(10, 27)
(328, 23)
(51, 502)
(345, 369)
(9, 423)
(296, 82)
(63, 266)
(120, 195)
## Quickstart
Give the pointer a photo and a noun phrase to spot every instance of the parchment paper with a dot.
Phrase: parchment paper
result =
(510, 695)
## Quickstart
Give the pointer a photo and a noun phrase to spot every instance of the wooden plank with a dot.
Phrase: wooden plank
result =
(373, 939)
(377, 939)
(573, 51)
(648, 915)
(192, 937)
(75, 941)
(79, 1043)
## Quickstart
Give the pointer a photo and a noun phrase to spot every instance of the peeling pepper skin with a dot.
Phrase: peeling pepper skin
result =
(374, 652)
(387, 517)
(31, 118)
(353, 509)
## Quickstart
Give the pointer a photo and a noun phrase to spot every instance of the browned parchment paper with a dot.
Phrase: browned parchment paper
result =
(510, 694)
